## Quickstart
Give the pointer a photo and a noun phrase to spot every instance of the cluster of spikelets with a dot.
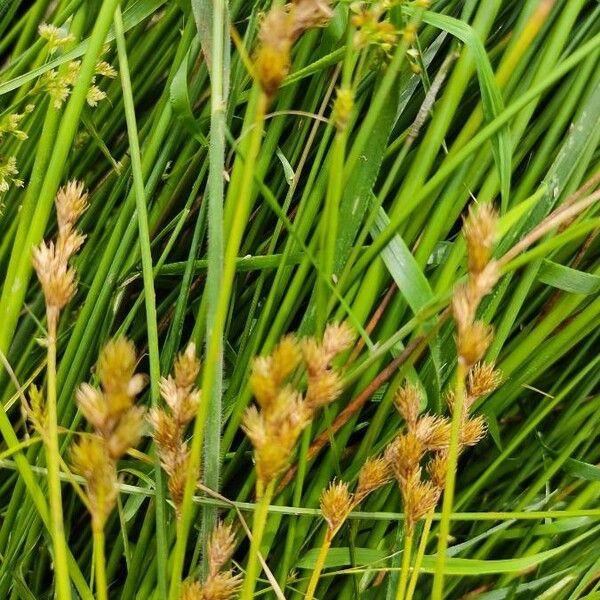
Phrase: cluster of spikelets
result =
(220, 583)
(58, 84)
(283, 410)
(424, 443)
(474, 336)
(279, 30)
(117, 423)
(373, 30)
(10, 124)
(51, 260)
(182, 398)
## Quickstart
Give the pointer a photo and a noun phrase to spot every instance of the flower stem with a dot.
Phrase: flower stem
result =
(100, 564)
(316, 574)
(63, 587)
(408, 541)
(412, 584)
(149, 293)
(438, 580)
(258, 529)
(242, 193)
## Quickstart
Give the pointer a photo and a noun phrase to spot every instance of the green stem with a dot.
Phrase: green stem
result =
(241, 204)
(412, 584)
(319, 564)
(438, 579)
(100, 564)
(219, 85)
(258, 529)
(149, 293)
(61, 568)
(408, 541)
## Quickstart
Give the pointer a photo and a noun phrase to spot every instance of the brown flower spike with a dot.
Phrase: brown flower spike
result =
(51, 260)
(279, 30)
(182, 398)
(117, 423)
(283, 411)
(220, 583)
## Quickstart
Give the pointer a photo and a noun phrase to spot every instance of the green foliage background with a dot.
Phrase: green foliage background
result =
(506, 109)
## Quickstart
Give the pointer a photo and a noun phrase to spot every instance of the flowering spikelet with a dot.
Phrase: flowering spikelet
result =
(437, 469)
(274, 433)
(473, 341)
(220, 584)
(8, 171)
(405, 455)
(91, 460)
(324, 384)
(424, 434)
(117, 423)
(279, 29)
(57, 38)
(421, 497)
(182, 398)
(374, 473)
(10, 124)
(433, 432)
(336, 503)
(479, 230)
(408, 403)
(472, 431)
(483, 379)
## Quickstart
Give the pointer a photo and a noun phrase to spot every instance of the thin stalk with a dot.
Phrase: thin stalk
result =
(61, 568)
(258, 529)
(408, 542)
(447, 505)
(241, 209)
(319, 564)
(100, 564)
(412, 584)
(149, 293)
(219, 75)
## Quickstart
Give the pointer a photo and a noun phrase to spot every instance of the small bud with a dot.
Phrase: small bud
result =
(342, 109)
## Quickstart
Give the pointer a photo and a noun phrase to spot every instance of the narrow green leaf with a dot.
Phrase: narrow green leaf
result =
(491, 98)
(568, 279)
(180, 101)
